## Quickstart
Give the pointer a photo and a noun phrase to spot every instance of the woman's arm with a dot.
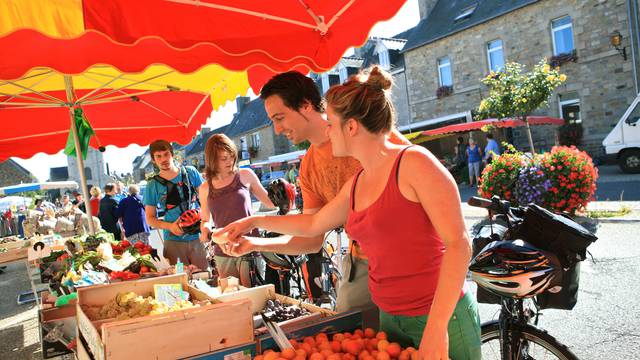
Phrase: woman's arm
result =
(329, 217)
(248, 176)
(424, 173)
(205, 213)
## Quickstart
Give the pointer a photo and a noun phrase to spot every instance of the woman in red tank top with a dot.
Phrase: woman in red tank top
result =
(403, 208)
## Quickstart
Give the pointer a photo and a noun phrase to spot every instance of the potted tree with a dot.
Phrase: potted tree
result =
(516, 94)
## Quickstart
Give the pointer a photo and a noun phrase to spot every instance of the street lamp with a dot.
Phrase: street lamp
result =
(616, 41)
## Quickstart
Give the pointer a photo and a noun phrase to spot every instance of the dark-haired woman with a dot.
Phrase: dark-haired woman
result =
(225, 197)
(403, 208)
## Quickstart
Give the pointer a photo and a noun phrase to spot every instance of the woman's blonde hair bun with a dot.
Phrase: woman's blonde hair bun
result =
(379, 78)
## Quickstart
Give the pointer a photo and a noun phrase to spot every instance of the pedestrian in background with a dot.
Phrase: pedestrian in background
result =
(131, 212)
(474, 156)
(96, 195)
(108, 212)
(491, 150)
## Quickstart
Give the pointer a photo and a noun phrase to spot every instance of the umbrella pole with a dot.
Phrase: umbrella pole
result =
(74, 131)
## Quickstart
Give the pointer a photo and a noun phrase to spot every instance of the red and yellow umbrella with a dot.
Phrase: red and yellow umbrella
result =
(148, 68)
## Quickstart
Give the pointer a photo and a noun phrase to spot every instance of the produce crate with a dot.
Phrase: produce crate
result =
(173, 335)
(347, 321)
(56, 321)
(259, 296)
(242, 352)
(16, 250)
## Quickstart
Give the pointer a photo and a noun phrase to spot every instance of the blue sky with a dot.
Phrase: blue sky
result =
(119, 159)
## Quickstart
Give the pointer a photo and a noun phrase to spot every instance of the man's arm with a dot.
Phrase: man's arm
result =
(153, 221)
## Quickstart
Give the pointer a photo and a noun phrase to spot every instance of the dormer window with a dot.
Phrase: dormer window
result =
(466, 13)
(325, 82)
(344, 75)
(383, 55)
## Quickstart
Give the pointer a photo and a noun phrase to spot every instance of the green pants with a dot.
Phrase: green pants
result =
(464, 329)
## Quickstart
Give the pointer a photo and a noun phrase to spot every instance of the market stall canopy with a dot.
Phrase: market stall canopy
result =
(502, 123)
(15, 189)
(8, 202)
(121, 108)
(183, 34)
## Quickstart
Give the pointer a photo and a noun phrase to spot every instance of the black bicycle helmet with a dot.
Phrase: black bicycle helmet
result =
(515, 269)
(282, 194)
(189, 221)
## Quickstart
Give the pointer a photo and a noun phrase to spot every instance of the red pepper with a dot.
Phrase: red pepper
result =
(124, 244)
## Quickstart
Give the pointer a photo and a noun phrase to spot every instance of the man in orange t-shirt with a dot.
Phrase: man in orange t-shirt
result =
(296, 108)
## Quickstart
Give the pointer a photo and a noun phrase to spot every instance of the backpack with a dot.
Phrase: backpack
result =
(174, 199)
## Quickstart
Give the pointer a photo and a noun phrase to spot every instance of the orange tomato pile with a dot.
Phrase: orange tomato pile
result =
(361, 345)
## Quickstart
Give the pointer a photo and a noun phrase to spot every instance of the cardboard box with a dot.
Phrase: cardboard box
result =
(259, 296)
(173, 335)
(57, 328)
(242, 352)
(348, 321)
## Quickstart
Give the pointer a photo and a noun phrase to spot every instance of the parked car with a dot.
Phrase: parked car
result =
(268, 177)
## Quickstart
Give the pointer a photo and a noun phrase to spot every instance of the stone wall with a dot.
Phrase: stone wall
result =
(13, 174)
(602, 80)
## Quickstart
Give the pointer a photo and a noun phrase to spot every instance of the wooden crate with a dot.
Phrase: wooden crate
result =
(16, 250)
(174, 335)
(259, 296)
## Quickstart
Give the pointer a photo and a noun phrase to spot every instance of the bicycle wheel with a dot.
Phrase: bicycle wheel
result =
(534, 344)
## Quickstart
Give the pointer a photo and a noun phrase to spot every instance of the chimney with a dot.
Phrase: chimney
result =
(241, 102)
(425, 7)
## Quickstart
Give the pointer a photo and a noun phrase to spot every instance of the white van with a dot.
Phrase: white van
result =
(623, 142)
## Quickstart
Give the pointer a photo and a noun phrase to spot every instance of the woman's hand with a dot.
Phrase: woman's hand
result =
(238, 247)
(204, 234)
(434, 344)
(237, 228)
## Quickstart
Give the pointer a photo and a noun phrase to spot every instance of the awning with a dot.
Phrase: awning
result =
(15, 189)
(504, 123)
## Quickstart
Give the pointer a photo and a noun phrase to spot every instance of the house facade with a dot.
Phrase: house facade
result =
(457, 43)
(386, 52)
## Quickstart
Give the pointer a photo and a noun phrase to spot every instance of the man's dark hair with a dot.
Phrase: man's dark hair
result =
(109, 187)
(295, 89)
(489, 136)
(159, 145)
(460, 139)
(38, 202)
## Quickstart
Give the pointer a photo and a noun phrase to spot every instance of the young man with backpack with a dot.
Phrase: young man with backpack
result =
(175, 191)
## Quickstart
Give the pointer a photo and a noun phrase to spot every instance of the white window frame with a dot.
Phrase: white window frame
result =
(440, 66)
(562, 103)
(255, 139)
(560, 28)
(243, 144)
(344, 75)
(489, 51)
(325, 82)
(383, 58)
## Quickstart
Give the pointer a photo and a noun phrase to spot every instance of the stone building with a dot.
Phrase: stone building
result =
(458, 42)
(11, 173)
(385, 52)
(252, 132)
(94, 169)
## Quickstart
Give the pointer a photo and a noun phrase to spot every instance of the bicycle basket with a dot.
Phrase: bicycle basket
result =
(556, 233)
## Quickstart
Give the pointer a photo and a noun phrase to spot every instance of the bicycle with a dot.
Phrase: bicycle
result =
(516, 335)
